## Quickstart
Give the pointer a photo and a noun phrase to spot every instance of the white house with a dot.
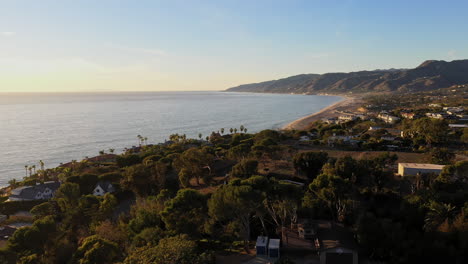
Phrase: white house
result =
(346, 118)
(102, 188)
(412, 169)
(388, 118)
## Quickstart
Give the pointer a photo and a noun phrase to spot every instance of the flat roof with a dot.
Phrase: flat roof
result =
(458, 125)
(274, 243)
(422, 166)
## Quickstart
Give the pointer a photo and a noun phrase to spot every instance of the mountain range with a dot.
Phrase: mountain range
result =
(430, 75)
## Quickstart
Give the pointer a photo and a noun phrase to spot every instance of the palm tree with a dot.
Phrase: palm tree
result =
(34, 168)
(200, 135)
(102, 152)
(222, 130)
(12, 182)
(111, 150)
(139, 139)
(30, 170)
(231, 130)
(41, 163)
(245, 130)
(146, 141)
(235, 130)
(242, 128)
(438, 214)
(26, 169)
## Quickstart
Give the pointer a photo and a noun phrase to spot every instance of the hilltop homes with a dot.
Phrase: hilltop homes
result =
(42, 191)
(388, 118)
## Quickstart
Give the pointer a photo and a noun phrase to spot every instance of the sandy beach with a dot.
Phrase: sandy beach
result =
(347, 104)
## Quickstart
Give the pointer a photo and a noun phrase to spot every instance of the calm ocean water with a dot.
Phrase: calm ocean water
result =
(58, 128)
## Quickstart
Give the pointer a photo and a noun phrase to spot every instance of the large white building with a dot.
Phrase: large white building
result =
(412, 169)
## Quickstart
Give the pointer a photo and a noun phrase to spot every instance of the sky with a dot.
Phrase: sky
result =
(151, 45)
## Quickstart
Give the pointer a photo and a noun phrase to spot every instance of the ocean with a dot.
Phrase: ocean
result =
(58, 127)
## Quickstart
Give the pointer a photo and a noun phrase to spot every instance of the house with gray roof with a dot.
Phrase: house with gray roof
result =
(42, 191)
(103, 187)
(335, 244)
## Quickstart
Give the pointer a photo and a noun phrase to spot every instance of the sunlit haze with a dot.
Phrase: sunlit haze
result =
(109, 45)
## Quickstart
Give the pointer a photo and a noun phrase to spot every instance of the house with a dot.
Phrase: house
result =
(387, 138)
(332, 120)
(435, 105)
(348, 140)
(412, 169)
(453, 110)
(388, 118)
(274, 248)
(102, 188)
(437, 115)
(335, 244)
(391, 147)
(42, 191)
(458, 125)
(374, 128)
(262, 246)
(346, 118)
(408, 115)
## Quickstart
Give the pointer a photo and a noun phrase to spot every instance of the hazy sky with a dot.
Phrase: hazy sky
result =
(112, 45)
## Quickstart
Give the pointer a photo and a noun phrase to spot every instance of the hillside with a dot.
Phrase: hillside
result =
(429, 75)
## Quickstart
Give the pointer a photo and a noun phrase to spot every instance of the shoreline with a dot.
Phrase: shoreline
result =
(347, 103)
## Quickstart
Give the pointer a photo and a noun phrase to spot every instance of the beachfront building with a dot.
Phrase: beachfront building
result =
(42, 191)
(413, 169)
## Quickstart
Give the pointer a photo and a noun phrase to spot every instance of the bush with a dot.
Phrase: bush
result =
(128, 160)
(111, 176)
(9, 208)
(244, 169)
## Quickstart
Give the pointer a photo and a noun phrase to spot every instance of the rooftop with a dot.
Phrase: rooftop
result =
(422, 166)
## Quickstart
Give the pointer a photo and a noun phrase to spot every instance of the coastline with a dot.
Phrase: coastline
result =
(346, 104)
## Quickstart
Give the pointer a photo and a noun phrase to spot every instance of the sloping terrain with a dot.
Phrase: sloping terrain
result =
(430, 75)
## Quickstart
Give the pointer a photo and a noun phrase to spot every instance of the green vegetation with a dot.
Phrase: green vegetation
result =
(189, 200)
